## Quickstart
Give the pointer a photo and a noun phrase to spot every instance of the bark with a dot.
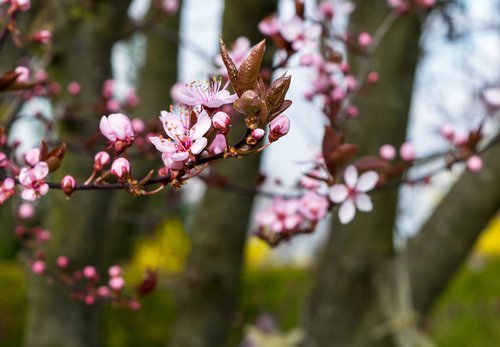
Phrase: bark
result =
(84, 34)
(450, 233)
(211, 281)
(344, 288)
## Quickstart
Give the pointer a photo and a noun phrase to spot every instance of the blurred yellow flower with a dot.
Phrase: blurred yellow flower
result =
(489, 242)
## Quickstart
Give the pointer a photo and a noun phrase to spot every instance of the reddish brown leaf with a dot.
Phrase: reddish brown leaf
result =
(250, 67)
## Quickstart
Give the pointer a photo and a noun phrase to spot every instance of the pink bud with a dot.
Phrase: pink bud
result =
(221, 122)
(163, 171)
(38, 267)
(89, 300)
(117, 128)
(138, 125)
(24, 74)
(103, 291)
(41, 75)
(387, 152)
(26, 211)
(43, 37)
(132, 99)
(338, 95)
(68, 185)
(4, 160)
(460, 138)
(257, 134)
(115, 271)
(74, 88)
(326, 10)
(373, 77)
(134, 305)
(474, 163)
(113, 105)
(22, 5)
(120, 169)
(43, 235)
(407, 151)
(101, 159)
(62, 262)
(364, 39)
(107, 89)
(352, 111)
(278, 127)
(170, 6)
(90, 272)
(351, 82)
(448, 131)
(116, 283)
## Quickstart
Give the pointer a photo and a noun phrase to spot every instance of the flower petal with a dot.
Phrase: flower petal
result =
(172, 125)
(338, 193)
(198, 145)
(367, 181)
(347, 212)
(364, 203)
(162, 145)
(351, 176)
(202, 125)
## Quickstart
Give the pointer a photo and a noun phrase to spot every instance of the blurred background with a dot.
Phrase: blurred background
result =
(217, 284)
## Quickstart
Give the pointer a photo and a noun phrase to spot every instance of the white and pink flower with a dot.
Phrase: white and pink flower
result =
(210, 95)
(185, 140)
(32, 180)
(282, 216)
(117, 128)
(352, 194)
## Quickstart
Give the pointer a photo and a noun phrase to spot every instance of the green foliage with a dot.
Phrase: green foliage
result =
(467, 315)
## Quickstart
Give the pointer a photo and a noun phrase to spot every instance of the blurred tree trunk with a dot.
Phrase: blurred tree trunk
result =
(84, 34)
(209, 291)
(450, 233)
(156, 77)
(344, 283)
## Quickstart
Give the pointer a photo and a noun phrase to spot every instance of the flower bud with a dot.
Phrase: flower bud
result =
(387, 152)
(116, 283)
(74, 88)
(4, 160)
(373, 77)
(21, 5)
(407, 151)
(68, 185)
(24, 74)
(448, 131)
(278, 127)
(474, 163)
(103, 291)
(100, 160)
(221, 122)
(38, 267)
(90, 272)
(26, 211)
(43, 37)
(257, 134)
(364, 39)
(120, 169)
(62, 262)
(115, 271)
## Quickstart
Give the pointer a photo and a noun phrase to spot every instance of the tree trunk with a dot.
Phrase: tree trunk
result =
(84, 35)
(344, 283)
(210, 287)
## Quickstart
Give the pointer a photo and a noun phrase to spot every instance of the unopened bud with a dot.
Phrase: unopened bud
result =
(68, 185)
(221, 122)
(120, 169)
(278, 127)
(101, 159)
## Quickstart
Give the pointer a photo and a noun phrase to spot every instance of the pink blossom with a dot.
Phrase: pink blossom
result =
(107, 88)
(326, 10)
(117, 128)
(24, 74)
(352, 111)
(170, 6)
(221, 122)
(474, 163)
(33, 182)
(373, 77)
(90, 272)
(299, 33)
(132, 99)
(184, 140)
(38, 267)
(278, 127)
(103, 291)
(138, 125)
(448, 131)
(281, 216)
(101, 159)
(270, 25)
(113, 105)
(74, 88)
(4, 160)
(313, 206)
(116, 283)
(387, 152)
(120, 169)
(115, 271)
(32, 156)
(218, 145)
(134, 305)
(43, 37)
(352, 194)
(364, 39)
(62, 262)
(210, 95)
(22, 5)
(26, 211)
(89, 300)
(407, 151)
(6, 189)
